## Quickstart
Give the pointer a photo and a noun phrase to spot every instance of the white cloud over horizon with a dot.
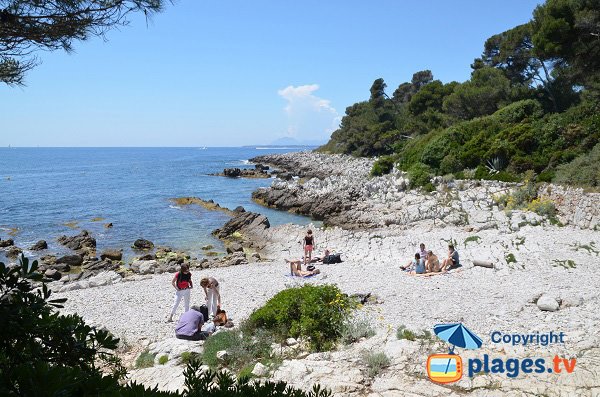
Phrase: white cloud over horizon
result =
(309, 116)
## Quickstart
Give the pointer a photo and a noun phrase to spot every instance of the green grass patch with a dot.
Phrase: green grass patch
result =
(145, 360)
(567, 263)
(475, 239)
(162, 360)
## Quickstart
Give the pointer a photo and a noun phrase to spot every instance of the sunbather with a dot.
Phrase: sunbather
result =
(452, 261)
(432, 263)
(296, 268)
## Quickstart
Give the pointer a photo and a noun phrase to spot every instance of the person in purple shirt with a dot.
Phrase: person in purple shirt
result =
(190, 324)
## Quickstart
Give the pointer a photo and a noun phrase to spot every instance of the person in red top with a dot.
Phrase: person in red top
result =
(182, 283)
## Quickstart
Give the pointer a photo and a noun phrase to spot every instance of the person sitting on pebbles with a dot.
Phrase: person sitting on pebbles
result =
(190, 325)
(296, 268)
(411, 264)
(452, 261)
(432, 263)
(418, 265)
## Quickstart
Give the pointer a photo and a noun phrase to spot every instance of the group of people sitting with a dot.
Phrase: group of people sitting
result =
(426, 261)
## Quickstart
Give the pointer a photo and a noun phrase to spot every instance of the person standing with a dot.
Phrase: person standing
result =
(182, 282)
(212, 295)
(308, 244)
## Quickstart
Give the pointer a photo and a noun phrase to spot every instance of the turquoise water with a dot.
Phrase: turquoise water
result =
(44, 189)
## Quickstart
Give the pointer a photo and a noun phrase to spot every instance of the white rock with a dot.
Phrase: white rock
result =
(260, 370)
(547, 303)
(222, 355)
(291, 342)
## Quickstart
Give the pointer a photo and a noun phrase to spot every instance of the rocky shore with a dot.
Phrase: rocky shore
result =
(544, 278)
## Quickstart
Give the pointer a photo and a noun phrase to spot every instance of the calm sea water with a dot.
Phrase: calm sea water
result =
(47, 192)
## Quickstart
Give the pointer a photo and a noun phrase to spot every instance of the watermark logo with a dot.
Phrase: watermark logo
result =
(448, 368)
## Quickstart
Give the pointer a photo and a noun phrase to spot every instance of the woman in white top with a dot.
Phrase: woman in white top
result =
(212, 294)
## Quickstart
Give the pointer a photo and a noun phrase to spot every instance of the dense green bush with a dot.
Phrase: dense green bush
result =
(383, 165)
(314, 312)
(145, 359)
(583, 171)
(419, 175)
(243, 348)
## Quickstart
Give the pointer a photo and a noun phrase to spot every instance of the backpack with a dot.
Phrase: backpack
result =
(332, 258)
(204, 311)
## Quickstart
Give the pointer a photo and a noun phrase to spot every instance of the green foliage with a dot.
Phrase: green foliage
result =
(582, 171)
(162, 360)
(472, 238)
(145, 359)
(532, 103)
(244, 347)
(355, 329)
(314, 312)
(419, 175)
(404, 333)
(187, 357)
(383, 165)
(375, 362)
(510, 258)
(222, 384)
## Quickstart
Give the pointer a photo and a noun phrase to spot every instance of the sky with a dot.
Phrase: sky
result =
(233, 72)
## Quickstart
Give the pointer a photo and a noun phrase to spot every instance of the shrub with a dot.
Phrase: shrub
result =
(242, 348)
(145, 359)
(542, 206)
(404, 333)
(355, 329)
(187, 357)
(583, 171)
(375, 362)
(419, 175)
(162, 360)
(314, 312)
(217, 342)
(383, 165)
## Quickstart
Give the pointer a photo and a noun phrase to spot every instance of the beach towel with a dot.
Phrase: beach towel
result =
(307, 276)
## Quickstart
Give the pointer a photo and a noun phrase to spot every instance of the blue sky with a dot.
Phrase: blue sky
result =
(230, 73)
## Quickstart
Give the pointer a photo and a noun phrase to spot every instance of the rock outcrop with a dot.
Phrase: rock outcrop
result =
(83, 243)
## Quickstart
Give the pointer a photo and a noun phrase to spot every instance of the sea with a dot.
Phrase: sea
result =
(49, 192)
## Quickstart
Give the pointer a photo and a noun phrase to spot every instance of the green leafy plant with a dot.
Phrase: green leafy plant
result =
(162, 360)
(510, 258)
(472, 238)
(313, 312)
(145, 359)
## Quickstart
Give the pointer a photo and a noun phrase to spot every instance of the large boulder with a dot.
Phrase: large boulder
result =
(81, 242)
(142, 244)
(112, 254)
(71, 260)
(39, 246)
(13, 251)
(104, 278)
(6, 243)
(53, 274)
(144, 267)
(232, 172)
(243, 221)
(234, 247)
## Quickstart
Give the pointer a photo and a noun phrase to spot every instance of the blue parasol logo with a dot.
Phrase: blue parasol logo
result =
(458, 336)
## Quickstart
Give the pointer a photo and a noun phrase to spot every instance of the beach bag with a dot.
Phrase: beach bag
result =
(204, 311)
(332, 258)
(220, 317)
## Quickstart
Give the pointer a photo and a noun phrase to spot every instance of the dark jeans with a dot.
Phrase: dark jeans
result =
(199, 335)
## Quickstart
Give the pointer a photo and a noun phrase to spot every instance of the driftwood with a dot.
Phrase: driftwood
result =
(479, 262)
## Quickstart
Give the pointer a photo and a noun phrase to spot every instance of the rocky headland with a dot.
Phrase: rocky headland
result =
(543, 278)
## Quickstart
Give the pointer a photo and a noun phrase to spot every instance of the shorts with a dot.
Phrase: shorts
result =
(308, 248)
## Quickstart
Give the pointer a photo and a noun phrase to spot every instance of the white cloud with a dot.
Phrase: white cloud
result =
(309, 117)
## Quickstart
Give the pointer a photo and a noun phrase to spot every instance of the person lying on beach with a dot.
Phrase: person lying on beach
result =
(452, 261)
(432, 263)
(190, 324)
(296, 269)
